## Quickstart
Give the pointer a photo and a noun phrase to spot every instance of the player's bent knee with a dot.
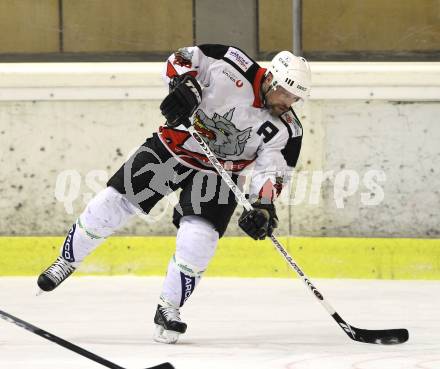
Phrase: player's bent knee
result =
(105, 213)
(196, 241)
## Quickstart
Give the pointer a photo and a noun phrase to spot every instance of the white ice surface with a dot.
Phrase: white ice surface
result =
(232, 324)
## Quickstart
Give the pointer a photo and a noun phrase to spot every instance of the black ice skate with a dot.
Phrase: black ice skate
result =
(168, 324)
(55, 274)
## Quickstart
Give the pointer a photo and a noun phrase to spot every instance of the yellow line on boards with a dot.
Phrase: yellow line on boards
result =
(372, 258)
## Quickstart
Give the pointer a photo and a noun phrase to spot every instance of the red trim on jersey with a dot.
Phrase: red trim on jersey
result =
(270, 191)
(257, 87)
(171, 71)
(174, 140)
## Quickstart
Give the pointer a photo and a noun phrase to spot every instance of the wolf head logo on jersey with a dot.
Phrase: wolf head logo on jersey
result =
(183, 57)
(221, 135)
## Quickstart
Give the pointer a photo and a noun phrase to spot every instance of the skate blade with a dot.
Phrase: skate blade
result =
(163, 336)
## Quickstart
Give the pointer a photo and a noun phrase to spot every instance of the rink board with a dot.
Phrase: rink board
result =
(371, 258)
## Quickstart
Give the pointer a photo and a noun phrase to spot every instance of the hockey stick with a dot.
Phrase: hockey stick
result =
(384, 337)
(70, 346)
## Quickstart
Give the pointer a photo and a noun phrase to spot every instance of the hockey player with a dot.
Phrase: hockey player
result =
(245, 114)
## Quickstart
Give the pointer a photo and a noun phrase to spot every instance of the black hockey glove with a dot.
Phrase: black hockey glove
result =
(259, 222)
(182, 102)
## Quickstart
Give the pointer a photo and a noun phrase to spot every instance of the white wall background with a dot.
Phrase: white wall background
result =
(65, 128)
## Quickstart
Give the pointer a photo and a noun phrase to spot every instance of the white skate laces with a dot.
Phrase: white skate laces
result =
(171, 313)
(59, 270)
(55, 274)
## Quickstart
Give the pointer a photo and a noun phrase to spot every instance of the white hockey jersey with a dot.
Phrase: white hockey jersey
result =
(232, 120)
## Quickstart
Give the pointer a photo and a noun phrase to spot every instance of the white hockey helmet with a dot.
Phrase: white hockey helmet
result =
(292, 73)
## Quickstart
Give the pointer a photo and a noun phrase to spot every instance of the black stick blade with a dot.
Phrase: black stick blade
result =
(381, 337)
(162, 366)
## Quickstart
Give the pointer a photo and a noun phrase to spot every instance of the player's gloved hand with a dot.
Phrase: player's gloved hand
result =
(259, 222)
(182, 101)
